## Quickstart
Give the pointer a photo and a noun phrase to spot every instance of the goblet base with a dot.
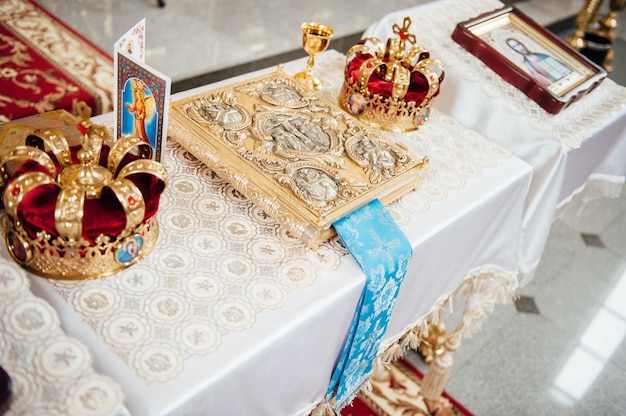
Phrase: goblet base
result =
(309, 79)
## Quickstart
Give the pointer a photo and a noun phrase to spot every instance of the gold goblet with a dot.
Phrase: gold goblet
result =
(315, 39)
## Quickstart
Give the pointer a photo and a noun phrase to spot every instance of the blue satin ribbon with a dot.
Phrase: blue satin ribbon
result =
(383, 253)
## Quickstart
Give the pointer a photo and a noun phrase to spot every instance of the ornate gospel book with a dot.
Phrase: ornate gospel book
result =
(303, 160)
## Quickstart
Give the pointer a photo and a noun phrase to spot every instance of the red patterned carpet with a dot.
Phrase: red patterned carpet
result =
(397, 393)
(45, 65)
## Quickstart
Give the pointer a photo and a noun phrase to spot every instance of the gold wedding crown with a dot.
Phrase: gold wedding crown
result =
(83, 210)
(390, 88)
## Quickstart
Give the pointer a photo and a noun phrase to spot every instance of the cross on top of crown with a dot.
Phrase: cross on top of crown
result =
(403, 32)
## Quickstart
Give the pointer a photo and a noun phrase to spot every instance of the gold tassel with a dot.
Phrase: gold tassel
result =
(437, 374)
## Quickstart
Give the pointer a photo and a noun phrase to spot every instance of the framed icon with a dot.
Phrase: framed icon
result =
(528, 56)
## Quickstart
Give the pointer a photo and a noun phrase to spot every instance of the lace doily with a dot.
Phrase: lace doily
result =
(456, 153)
(571, 126)
(52, 374)
(220, 260)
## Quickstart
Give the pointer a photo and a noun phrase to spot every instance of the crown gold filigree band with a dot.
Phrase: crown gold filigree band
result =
(60, 258)
(67, 220)
(390, 87)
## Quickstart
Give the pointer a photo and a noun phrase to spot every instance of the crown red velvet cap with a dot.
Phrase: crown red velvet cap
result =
(418, 88)
(101, 216)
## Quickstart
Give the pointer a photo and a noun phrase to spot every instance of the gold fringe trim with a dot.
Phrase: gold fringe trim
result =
(324, 409)
(481, 290)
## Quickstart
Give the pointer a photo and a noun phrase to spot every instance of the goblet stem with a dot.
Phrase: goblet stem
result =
(309, 64)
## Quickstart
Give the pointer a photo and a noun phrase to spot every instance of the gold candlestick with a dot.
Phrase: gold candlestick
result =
(607, 26)
(587, 22)
(585, 19)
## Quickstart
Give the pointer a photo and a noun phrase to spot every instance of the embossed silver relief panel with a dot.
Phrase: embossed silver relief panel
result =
(300, 140)
(220, 112)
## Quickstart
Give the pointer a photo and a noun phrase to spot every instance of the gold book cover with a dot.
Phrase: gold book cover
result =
(303, 160)
(13, 133)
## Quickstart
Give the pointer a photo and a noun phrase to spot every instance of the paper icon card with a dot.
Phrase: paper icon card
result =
(133, 42)
(142, 103)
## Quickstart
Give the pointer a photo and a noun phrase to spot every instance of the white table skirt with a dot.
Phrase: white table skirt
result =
(282, 363)
(584, 146)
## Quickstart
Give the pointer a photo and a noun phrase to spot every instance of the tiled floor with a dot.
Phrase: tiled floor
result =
(561, 349)
(188, 38)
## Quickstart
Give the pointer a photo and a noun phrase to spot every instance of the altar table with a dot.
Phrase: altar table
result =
(229, 315)
(582, 150)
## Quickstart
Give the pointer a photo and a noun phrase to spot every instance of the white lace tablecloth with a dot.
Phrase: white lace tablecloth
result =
(581, 148)
(229, 315)
(433, 25)
(52, 373)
